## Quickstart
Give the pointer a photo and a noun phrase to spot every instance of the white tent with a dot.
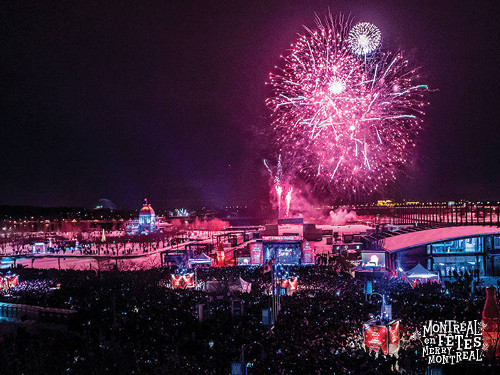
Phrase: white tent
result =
(238, 285)
(420, 273)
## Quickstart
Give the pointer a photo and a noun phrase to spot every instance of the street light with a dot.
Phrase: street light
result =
(383, 304)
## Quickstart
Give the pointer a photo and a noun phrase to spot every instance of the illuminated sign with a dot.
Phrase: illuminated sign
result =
(372, 259)
(307, 253)
(256, 253)
(393, 337)
(375, 337)
(281, 238)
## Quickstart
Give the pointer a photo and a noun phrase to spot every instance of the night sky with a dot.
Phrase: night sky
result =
(160, 99)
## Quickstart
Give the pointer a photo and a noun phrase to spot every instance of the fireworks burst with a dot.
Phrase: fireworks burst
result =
(364, 38)
(344, 122)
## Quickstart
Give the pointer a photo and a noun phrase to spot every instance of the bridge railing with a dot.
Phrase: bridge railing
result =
(439, 214)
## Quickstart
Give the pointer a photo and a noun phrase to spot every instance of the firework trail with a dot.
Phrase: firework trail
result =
(277, 180)
(346, 114)
(278, 176)
(288, 200)
(279, 192)
(268, 168)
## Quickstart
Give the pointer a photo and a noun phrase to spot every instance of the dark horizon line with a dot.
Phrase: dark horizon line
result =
(239, 205)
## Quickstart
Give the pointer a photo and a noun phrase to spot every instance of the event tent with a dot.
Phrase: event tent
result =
(420, 274)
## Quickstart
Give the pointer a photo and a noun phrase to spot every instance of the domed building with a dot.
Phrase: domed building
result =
(147, 218)
(147, 223)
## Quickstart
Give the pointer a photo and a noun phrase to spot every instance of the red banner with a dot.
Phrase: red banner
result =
(9, 281)
(375, 337)
(307, 253)
(256, 253)
(221, 257)
(177, 282)
(292, 286)
(188, 280)
(289, 284)
(393, 337)
(14, 281)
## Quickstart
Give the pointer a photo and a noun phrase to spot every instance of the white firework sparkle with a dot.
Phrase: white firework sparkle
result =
(364, 38)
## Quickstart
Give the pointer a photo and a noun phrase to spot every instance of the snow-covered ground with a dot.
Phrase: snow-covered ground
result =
(137, 260)
(85, 263)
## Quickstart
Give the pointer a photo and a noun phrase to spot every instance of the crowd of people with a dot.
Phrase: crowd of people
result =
(132, 322)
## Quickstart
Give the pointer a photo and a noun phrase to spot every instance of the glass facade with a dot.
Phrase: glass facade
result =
(461, 255)
(496, 243)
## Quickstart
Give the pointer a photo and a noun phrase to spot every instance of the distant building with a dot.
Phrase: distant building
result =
(105, 204)
(147, 222)
(446, 250)
(147, 219)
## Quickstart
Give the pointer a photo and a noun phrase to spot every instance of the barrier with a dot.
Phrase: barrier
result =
(14, 311)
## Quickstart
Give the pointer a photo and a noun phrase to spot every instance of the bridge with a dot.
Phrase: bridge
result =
(403, 241)
(444, 237)
(435, 214)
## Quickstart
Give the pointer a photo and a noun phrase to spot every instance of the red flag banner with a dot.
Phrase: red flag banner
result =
(307, 253)
(292, 285)
(256, 253)
(188, 280)
(375, 337)
(393, 337)
(177, 282)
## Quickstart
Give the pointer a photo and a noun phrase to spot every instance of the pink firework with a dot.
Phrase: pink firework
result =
(345, 121)
(288, 200)
(279, 192)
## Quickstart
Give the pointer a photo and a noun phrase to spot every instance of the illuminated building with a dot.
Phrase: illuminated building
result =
(147, 222)
(147, 219)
